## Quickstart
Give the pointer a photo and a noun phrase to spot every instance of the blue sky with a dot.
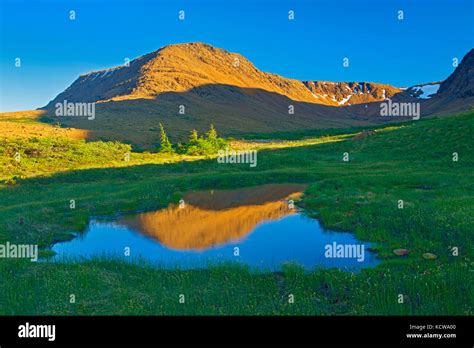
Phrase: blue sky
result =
(55, 50)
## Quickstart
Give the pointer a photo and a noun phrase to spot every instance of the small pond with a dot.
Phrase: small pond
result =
(256, 226)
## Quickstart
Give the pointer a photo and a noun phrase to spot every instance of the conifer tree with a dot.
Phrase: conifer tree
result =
(212, 135)
(165, 144)
(194, 137)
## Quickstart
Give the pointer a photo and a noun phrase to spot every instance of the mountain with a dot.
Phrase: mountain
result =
(460, 83)
(349, 93)
(182, 67)
(191, 85)
(455, 94)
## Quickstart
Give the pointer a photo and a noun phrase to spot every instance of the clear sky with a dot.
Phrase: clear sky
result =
(54, 50)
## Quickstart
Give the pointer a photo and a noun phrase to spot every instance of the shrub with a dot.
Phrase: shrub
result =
(199, 146)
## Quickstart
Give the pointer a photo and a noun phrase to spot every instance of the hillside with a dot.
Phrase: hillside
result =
(191, 85)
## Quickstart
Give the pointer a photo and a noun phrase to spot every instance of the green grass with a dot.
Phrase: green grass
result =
(412, 163)
(27, 157)
(105, 287)
(311, 133)
(22, 158)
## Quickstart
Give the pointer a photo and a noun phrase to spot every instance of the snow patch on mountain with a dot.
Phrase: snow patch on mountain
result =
(424, 91)
(345, 100)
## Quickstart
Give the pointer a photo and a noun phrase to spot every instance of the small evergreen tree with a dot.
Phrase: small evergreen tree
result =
(212, 135)
(216, 143)
(165, 144)
(207, 145)
(194, 137)
(193, 146)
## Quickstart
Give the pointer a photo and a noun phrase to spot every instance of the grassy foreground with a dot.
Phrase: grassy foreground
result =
(413, 163)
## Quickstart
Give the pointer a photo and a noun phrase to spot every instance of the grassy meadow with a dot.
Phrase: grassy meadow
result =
(412, 162)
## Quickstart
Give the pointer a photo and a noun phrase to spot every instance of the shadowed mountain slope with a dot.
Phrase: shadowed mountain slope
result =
(189, 86)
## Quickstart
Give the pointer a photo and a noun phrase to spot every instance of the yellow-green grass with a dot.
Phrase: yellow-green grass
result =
(28, 124)
(22, 157)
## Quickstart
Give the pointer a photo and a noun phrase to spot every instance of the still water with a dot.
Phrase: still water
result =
(255, 226)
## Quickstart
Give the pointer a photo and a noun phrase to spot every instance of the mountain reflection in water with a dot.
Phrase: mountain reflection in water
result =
(213, 218)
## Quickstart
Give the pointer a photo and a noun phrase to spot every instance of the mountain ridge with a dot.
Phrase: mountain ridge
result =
(189, 86)
(180, 67)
